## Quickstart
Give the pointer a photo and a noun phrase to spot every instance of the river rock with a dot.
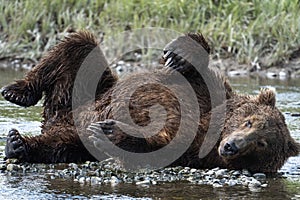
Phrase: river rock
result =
(12, 167)
(259, 176)
(232, 182)
(246, 172)
(254, 183)
(220, 173)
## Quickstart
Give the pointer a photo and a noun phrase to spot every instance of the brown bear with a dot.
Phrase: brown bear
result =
(251, 132)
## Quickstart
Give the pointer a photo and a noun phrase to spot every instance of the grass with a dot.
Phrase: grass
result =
(265, 31)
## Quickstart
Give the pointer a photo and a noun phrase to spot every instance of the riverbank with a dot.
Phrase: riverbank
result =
(257, 34)
(229, 67)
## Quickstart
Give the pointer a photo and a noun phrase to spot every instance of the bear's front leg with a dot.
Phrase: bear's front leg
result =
(22, 93)
(111, 134)
(130, 145)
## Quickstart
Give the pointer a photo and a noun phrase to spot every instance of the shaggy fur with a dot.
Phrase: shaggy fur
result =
(254, 134)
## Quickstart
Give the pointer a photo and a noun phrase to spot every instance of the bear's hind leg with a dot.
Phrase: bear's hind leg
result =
(15, 145)
(58, 145)
(186, 52)
(55, 73)
(189, 55)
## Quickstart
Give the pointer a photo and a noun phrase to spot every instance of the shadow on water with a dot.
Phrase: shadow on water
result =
(42, 186)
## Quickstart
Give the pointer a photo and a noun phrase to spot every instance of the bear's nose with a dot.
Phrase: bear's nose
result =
(229, 148)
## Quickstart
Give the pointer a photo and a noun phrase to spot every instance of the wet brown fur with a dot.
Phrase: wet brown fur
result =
(59, 142)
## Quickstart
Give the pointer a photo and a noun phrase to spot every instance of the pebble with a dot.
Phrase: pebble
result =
(220, 173)
(246, 172)
(236, 173)
(12, 167)
(234, 73)
(114, 180)
(193, 170)
(232, 182)
(210, 173)
(81, 180)
(3, 167)
(145, 182)
(264, 185)
(110, 172)
(95, 180)
(259, 176)
(217, 185)
(254, 183)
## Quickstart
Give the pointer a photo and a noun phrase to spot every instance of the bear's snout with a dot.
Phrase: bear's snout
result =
(233, 146)
(229, 149)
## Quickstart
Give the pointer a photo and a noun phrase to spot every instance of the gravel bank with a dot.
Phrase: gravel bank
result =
(110, 172)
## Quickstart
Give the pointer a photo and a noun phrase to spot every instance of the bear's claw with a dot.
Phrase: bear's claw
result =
(102, 131)
(15, 147)
(174, 61)
(20, 95)
(105, 126)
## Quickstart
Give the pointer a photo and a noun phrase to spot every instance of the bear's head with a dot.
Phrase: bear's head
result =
(256, 136)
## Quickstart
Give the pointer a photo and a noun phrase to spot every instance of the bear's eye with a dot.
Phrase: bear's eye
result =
(248, 124)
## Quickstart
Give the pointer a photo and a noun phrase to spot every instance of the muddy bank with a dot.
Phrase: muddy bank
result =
(232, 68)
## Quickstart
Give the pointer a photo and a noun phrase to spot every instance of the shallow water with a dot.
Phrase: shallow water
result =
(41, 186)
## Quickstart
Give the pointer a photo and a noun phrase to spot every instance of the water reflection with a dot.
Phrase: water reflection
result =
(41, 187)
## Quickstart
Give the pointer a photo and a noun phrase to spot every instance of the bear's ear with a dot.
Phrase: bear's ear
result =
(267, 97)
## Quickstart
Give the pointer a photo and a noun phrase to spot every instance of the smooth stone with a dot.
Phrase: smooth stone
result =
(217, 185)
(81, 180)
(210, 173)
(246, 172)
(232, 182)
(3, 167)
(264, 185)
(145, 182)
(254, 183)
(95, 180)
(236, 173)
(73, 165)
(271, 74)
(12, 167)
(237, 73)
(259, 176)
(220, 173)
